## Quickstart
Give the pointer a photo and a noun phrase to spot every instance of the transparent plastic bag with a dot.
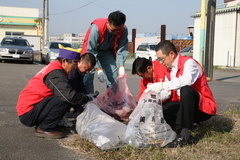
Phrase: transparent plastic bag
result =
(147, 126)
(117, 100)
(101, 129)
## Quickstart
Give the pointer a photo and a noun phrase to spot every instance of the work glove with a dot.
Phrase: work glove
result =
(101, 76)
(165, 94)
(121, 70)
(155, 87)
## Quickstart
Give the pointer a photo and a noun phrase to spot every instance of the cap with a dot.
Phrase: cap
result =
(69, 53)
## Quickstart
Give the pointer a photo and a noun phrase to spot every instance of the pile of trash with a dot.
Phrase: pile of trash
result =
(114, 119)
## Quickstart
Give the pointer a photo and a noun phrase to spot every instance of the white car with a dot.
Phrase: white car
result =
(51, 51)
(146, 50)
(188, 51)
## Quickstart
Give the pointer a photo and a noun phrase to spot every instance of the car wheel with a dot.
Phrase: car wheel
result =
(30, 62)
(47, 61)
(42, 59)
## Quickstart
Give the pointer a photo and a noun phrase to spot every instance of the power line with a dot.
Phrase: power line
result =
(101, 6)
(74, 9)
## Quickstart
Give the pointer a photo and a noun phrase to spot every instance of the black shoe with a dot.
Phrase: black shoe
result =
(45, 134)
(179, 141)
(195, 127)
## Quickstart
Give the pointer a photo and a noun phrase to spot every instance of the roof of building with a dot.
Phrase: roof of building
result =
(222, 8)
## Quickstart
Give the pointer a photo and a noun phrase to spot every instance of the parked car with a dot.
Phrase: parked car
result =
(188, 51)
(146, 50)
(14, 48)
(51, 51)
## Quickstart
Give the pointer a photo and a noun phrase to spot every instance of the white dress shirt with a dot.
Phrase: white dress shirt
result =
(191, 72)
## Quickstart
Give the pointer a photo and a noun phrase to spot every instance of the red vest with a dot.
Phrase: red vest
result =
(207, 103)
(158, 76)
(101, 23)
(36, 90)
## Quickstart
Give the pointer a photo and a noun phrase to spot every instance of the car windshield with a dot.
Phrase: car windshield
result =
(142, 48)
(145, 47)
(152, 47)
(16, 42)
(55, 45)
(186, 49)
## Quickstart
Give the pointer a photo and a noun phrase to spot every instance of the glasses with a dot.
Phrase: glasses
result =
(161, 59)
(114, 30)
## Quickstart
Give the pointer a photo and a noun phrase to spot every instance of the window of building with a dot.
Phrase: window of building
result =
(8, 33)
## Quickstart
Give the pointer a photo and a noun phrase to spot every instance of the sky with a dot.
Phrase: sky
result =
(75, 16)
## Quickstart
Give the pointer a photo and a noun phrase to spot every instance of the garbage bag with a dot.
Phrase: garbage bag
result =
(101, 129)
(117, 100)
(147, 126)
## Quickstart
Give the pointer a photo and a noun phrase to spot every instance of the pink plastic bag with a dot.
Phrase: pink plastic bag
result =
(117, 100)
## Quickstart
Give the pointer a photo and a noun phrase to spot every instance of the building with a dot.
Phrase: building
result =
(226, 36)
(72, 38)
(18, 22)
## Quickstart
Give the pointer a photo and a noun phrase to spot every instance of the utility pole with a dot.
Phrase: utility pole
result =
(209, 45)
(45, 21)
(133, 39)
(202, 31)
(163, 32)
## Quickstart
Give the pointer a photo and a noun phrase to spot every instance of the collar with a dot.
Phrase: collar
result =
(175, 63)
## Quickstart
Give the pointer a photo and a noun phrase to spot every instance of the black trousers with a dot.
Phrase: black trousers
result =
(46, 114)
(185, 112)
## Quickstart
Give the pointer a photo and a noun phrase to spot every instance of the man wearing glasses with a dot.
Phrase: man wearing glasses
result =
(107, 40)
(48, 95)
(190, 101)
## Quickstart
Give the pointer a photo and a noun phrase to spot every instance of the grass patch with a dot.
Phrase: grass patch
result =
(217, 138)
(216, 67)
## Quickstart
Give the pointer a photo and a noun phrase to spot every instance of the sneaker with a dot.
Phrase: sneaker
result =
(179, 141)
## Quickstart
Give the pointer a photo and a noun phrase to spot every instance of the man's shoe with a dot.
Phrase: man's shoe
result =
(45, 134)
(179, 141)
(195, 127)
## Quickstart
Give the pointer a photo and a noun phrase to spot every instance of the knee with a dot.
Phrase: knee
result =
(189, 93)
(186, 90)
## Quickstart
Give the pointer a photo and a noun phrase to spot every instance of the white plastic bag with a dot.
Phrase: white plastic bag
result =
(147, 126)
(101, 129)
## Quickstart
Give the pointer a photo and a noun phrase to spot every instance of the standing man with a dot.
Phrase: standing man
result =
(107, 40)
(192, 99)
(48, 95)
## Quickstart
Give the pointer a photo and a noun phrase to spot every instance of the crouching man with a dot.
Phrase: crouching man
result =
(48, 95)
(189, 99)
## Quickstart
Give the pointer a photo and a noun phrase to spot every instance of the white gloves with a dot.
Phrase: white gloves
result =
(155, 87)
(101, 76)
(164, 94)
(121, 70)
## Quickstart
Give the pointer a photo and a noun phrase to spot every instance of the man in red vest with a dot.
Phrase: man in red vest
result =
(48, 95)
(191, 100)
(107, 40)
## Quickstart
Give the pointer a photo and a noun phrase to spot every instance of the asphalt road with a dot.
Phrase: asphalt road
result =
(17, 142)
